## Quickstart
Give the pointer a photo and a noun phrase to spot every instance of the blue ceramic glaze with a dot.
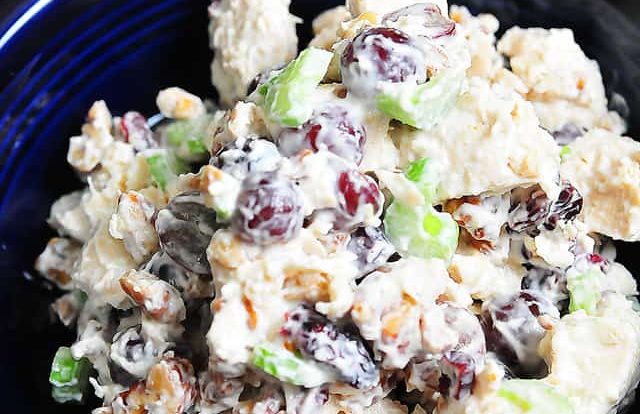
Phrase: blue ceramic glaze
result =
(61, 55)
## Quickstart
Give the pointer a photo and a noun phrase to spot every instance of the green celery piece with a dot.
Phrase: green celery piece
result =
(178, 131)
(159, 169)
(565, 151)
(287, 93)
(421, 231)
(196, 147)
(534, 397)
(69, 377)
(421, 106)
(289, 367)
(164, 167)
(584, 291)
(426, 176)
(187, 137)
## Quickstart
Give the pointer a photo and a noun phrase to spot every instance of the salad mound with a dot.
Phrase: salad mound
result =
(409, 216)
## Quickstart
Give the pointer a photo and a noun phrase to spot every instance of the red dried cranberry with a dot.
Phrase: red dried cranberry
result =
(356, 191)
(529, 209)
(437, 24)
(458, 374)
(371, 247)
(317, 337)
(331, 129)
(513, 331)
(566, 207)
(136, 131)
(379, 54)
(269, 209)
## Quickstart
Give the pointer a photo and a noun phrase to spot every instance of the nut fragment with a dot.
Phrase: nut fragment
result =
(176, 103)
(132, 223)
(57, 260)
(170, 387)
(156, 298)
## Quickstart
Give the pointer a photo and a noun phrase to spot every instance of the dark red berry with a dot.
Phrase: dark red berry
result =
(356, 192)
(433, 20)
(566, 207)
(458, 374)
(333, 129)
(269, 209)
(318, 338)
(513, 331)
(136, 131)
(550, 283)
(371, 247)
(379, 54)
(529, 209)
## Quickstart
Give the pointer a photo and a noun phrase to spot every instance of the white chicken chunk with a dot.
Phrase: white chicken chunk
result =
(565, 86)
(605, 168)
(489, 142)
(249, 37)
(327, 25)
(589, 353)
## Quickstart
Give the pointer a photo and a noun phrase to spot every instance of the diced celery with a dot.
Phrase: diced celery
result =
(565, 151)
(164, 167)
(533, 397)
(159, 170)
(421, 106)
(289, 367)
(187, 138)
(196, 147)
(425, 174)
(421, 231)
(69, 376)
(286, 94)
(584, 291)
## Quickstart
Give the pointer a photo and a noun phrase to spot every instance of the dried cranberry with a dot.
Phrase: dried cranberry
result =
(136, 131)
(513, 331)
(379, 54)
(566, 207)
(470, 335)
(551, 283)
(269, 209)
(371, 247)
(332, 129)
(437, 24)
(315, 336)
(458, 374)
(185, 229)
(357, 192)
(529, 208)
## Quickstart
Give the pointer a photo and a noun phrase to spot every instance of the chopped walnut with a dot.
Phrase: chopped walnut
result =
(57, 260)
(218, 392)
(133, 224)
(157, 298)
(177, 103)
(68, 306)
(170, 387)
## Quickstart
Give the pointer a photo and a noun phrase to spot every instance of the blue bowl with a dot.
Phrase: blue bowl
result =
(58, 56)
